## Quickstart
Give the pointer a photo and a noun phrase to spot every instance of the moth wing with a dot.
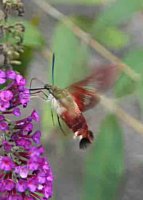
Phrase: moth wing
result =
(101, 79)
(85, 98)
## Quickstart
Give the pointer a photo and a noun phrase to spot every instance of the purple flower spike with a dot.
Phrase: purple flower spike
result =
(24, 173)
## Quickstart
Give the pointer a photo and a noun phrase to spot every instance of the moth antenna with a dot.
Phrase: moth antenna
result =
(53, 66)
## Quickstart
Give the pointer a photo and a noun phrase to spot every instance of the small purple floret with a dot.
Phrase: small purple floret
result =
(11, 74)
(9, 184)
(20, 80)
(35, 116)
(6, 163)
(3, 125)
(7, 146)
(2, 77)
(22, 171)
(21, 185)
(32, 184)
(16, 111)
(36, 137)
(6, 95)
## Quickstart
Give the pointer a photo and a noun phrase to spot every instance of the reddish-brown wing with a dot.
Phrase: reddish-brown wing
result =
(84, 98)
(102, 79)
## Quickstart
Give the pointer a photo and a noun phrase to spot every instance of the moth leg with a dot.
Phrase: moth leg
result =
(44, 97)
(35, 79)
(60, 125)
(52, 115)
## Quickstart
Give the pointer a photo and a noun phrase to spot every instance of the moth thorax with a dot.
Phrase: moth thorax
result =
(56, 104)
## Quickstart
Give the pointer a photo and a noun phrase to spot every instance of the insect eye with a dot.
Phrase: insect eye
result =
(46, 86)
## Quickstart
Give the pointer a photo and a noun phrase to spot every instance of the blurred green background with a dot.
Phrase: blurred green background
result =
(112, 167)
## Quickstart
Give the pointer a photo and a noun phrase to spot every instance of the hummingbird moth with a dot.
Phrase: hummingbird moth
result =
(70, 103)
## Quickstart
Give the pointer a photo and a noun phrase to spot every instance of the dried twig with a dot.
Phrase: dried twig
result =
(111, 106)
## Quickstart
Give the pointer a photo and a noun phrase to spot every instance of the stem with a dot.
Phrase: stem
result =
(86, 38)
(111, 106)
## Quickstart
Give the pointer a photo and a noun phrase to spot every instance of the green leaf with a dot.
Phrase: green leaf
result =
(32, 36)
(105, 164)
(125, 85)
(116, 13)
(71, 57)
(83, 22)
(134, 58)
(114, 38)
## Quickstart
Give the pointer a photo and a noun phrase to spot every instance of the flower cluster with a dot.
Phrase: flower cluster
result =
(24, 173)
